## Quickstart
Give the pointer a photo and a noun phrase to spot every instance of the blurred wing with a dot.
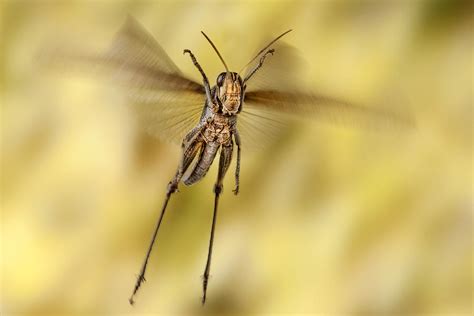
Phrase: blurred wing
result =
(260, 126)
(314, 106)
(166, 102)
(281, 71)
(275, 98)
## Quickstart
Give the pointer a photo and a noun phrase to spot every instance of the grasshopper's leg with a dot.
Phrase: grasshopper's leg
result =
(224, 162)
(260, 64)
(191, 147)
(203, 74)
(237, 167)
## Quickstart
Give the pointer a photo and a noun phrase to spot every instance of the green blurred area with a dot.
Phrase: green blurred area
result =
(329, 220)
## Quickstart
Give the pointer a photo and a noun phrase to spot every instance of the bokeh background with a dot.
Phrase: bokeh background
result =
(330, 219)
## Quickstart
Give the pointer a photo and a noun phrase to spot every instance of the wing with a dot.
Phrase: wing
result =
(275, 98)
(262, 126)
(316, 106)
(166, 102)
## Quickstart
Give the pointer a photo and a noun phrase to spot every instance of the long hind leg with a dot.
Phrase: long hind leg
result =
(224, 162)
(190, 149)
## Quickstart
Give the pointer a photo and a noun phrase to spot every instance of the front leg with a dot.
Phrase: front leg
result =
(260, 64)
(203, 74)
(237, 168)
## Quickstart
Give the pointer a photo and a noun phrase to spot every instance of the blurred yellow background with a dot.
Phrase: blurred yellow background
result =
(329, 220)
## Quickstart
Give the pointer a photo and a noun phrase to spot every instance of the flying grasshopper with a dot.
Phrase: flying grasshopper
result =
(171, 107)
(216, 129)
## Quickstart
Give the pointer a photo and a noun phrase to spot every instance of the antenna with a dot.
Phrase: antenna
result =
(215, 48)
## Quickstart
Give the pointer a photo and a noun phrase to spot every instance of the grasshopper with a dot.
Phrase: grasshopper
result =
(171, 106)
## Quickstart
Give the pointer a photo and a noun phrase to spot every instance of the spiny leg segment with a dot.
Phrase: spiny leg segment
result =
(237, 166)
(205, 81)
(259, 65)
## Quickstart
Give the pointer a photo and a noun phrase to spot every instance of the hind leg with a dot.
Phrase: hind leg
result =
(191, 147)
(224, 163)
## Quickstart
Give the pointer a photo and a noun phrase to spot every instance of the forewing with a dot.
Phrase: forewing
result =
(166, 102)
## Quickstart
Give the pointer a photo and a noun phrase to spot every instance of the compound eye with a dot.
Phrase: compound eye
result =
(220, 79)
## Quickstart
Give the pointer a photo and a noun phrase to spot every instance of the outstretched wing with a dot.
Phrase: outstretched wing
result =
(166, 102)
(274, 99)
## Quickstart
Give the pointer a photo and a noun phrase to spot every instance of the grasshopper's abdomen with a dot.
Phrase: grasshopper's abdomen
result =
(203, 164)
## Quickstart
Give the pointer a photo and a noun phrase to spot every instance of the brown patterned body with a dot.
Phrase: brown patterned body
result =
(216, 132)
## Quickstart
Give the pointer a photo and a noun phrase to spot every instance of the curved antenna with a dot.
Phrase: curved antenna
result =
(215, 48)
(263, 49)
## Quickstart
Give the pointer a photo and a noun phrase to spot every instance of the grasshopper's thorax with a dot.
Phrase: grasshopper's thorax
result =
(218, 129)
(229, 93)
